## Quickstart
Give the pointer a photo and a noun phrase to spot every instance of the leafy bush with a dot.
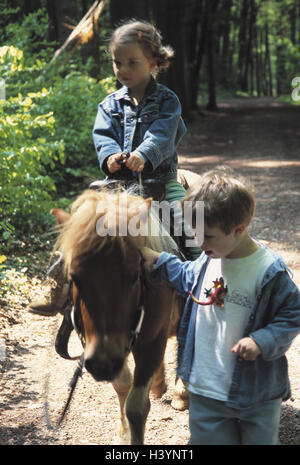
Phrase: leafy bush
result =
(74, 101)
(29, 35)
(46, 147)
(28, 147)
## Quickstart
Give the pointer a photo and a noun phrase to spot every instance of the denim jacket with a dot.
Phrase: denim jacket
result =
(273, 324)
(153, 129)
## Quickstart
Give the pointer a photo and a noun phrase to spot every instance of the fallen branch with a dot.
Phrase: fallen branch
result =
(85, 30)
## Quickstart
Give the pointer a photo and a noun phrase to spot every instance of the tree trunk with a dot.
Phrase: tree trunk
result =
(172, 19)
(31, 5)
(121, 10)
(262, 63)
(198, 62)
(293, 19)
(226, 8)
(243, 45)
(195, 28)
(298, 22)
(212, 103)
(257, 62)
(280, 52)
(59, 11)
(268, 63)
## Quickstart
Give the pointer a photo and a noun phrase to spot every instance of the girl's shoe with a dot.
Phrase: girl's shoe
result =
(55, 291)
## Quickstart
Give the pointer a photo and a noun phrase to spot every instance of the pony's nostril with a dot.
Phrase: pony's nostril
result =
(90, 364)
(117, 364)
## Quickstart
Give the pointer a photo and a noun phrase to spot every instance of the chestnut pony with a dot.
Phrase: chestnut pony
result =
(117, 299)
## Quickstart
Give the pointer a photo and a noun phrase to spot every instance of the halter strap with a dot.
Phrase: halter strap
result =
(135, 333)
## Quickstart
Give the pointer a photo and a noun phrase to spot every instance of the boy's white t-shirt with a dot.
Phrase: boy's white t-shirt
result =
(218, 329)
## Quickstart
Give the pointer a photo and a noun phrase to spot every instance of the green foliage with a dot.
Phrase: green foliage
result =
(30, 36)
(45, 143)
(74, 101)
(18, 271)
(275, 20)
(28, 148)
(12, 279)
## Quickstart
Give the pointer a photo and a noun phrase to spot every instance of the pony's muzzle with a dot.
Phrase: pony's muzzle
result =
(103, 364)
(104, 370)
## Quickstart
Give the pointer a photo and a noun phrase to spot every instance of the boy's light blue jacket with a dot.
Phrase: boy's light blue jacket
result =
(153, 129)
(273, 324)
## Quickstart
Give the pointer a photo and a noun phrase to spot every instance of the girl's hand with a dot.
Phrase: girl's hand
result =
(135, 163)
(247, 349)
(112, 162)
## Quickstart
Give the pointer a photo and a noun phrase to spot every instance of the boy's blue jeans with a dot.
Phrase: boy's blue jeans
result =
(213, 423)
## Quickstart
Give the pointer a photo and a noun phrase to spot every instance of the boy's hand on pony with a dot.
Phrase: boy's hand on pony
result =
(150, 257)
(247, 349)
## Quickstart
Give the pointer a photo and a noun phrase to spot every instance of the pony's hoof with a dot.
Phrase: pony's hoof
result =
(122, 436)
(180, 404)
(158, 391)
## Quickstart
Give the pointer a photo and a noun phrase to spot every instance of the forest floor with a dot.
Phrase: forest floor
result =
(257, 137)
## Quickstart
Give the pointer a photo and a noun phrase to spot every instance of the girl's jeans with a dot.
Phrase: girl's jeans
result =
(213, 423)
(174, 194)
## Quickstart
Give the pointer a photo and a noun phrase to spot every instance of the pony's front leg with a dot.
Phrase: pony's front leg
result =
(122, 387)
(137, 409)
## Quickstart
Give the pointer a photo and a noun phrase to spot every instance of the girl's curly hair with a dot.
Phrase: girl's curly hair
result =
(147, 36)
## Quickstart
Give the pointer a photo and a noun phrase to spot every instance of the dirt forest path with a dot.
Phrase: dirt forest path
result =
(260, 139)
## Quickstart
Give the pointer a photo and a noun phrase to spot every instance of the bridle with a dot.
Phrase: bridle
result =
(76, 319)
(140, 309)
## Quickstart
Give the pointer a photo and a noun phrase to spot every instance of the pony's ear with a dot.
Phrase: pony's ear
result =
(60, 215)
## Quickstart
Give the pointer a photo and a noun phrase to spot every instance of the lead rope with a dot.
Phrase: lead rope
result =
(140, 184)
(72, 385)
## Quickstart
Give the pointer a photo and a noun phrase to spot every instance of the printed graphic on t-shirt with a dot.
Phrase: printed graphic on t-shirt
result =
(238, 298)
(214, 295)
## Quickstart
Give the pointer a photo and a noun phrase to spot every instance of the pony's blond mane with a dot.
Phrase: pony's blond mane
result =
(80, 234)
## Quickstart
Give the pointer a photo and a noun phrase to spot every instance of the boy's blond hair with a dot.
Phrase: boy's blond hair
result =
(228, 198)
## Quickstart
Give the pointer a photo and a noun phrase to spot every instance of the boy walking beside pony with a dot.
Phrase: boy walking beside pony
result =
(231, 349)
